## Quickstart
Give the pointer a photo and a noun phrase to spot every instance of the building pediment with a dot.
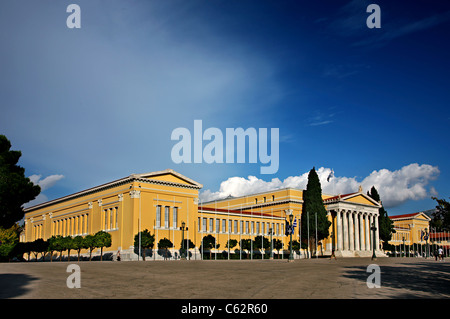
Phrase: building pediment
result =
(169, 176)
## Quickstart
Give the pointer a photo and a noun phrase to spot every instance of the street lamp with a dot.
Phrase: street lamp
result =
(183, 228)
(404, 247)
(373, 229)
(291, 218)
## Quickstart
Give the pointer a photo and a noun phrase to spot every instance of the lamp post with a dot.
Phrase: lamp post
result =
(183, 228)
(373, 229)
(291, 218)
(271, 243)
(404, 247)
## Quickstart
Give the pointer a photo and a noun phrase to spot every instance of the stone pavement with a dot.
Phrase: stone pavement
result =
(345, 278)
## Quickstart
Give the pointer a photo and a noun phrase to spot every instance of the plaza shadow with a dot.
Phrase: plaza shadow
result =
(431, 279)
(14, 285)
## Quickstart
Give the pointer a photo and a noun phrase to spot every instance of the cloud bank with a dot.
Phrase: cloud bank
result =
(395, 187)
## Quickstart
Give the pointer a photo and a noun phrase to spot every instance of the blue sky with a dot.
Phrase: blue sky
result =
(90, 105)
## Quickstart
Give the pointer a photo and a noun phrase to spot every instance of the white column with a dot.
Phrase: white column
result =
(345, 226)
(338, 230)
(366, 217)
(351, 232)
(357, 247)
(377, 233)
(371, 235)
(361, 231)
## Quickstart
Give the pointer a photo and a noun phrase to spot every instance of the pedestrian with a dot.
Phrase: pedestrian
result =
(118, 255)
(441, 254)
(333, 255)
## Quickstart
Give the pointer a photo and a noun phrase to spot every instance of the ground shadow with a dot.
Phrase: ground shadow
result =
(14, 285)
(431, 279)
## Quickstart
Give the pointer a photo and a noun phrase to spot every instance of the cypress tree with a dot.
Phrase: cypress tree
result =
(312, 204)
(384, 222)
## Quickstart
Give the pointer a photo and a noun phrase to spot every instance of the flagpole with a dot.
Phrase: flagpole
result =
(317, 255)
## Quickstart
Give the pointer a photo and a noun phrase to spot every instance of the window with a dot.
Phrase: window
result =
(166, 216)
(273, 198)
(111, 212)
(204, 224)
(264, 199)
(235, 226)
(175, 217)
(211, 225)
(256, 201)
(217, 225)
(278, 229)
(230, 229)
(158, 216)
(241, 227)
(106, 218)
(199, 222)
(257, 228)
(246, 227)
(252, 230)
(224, 226)
(117, 218)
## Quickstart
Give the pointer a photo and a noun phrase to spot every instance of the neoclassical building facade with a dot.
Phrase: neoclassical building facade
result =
(163, 201)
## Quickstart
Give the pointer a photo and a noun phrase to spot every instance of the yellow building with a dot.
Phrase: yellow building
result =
(157, 201)
(409, 228)
(162, 201)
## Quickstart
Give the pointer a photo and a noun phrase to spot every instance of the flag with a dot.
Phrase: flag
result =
(330, 176)
(288, 229)
(295, 223)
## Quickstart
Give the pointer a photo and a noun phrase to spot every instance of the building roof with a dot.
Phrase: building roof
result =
(146, 177)
(409, 216)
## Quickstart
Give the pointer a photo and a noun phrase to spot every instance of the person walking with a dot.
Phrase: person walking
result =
(441, 254)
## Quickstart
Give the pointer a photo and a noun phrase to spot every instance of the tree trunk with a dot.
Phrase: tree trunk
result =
(101, 253)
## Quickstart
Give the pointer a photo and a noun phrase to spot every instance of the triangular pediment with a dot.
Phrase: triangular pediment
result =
(169, 176)
(361, 198)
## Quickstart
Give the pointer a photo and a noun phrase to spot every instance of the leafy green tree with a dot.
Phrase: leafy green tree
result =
(385, 224)
(147, 241)
(102, 239)
(78, 244)
(187, 243)
(231, 243)
(40, 246)
(15, 188)
(209, 242)
(312, 205)
(90, 243)
(165, 244)
(277, 244)
(52, 246)
(441, 217)
(245, 244)
(68, 245)
(9, 238)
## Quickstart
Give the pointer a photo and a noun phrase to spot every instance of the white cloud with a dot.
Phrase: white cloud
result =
(395, 187)
(45, 184)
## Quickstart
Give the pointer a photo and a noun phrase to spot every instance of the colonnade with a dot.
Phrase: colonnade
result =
(353, 231)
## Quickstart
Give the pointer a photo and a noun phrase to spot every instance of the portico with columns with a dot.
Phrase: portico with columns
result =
(352, 217)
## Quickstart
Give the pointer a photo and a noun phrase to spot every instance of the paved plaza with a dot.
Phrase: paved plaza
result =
(345, 278)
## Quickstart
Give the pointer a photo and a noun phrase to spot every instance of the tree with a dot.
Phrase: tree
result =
(68, 245)
(186, 243)
(102, 239)
(165, 244)
(245, 244)
(147, 241)
(441, 217)
(15, 188)
(261, 242)
(9, 238)
(209, 242)
(40, 246)
(91, 244)
(312, 205)
(385, 224)
(78, 244)
(52, 246)
(277, 244)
